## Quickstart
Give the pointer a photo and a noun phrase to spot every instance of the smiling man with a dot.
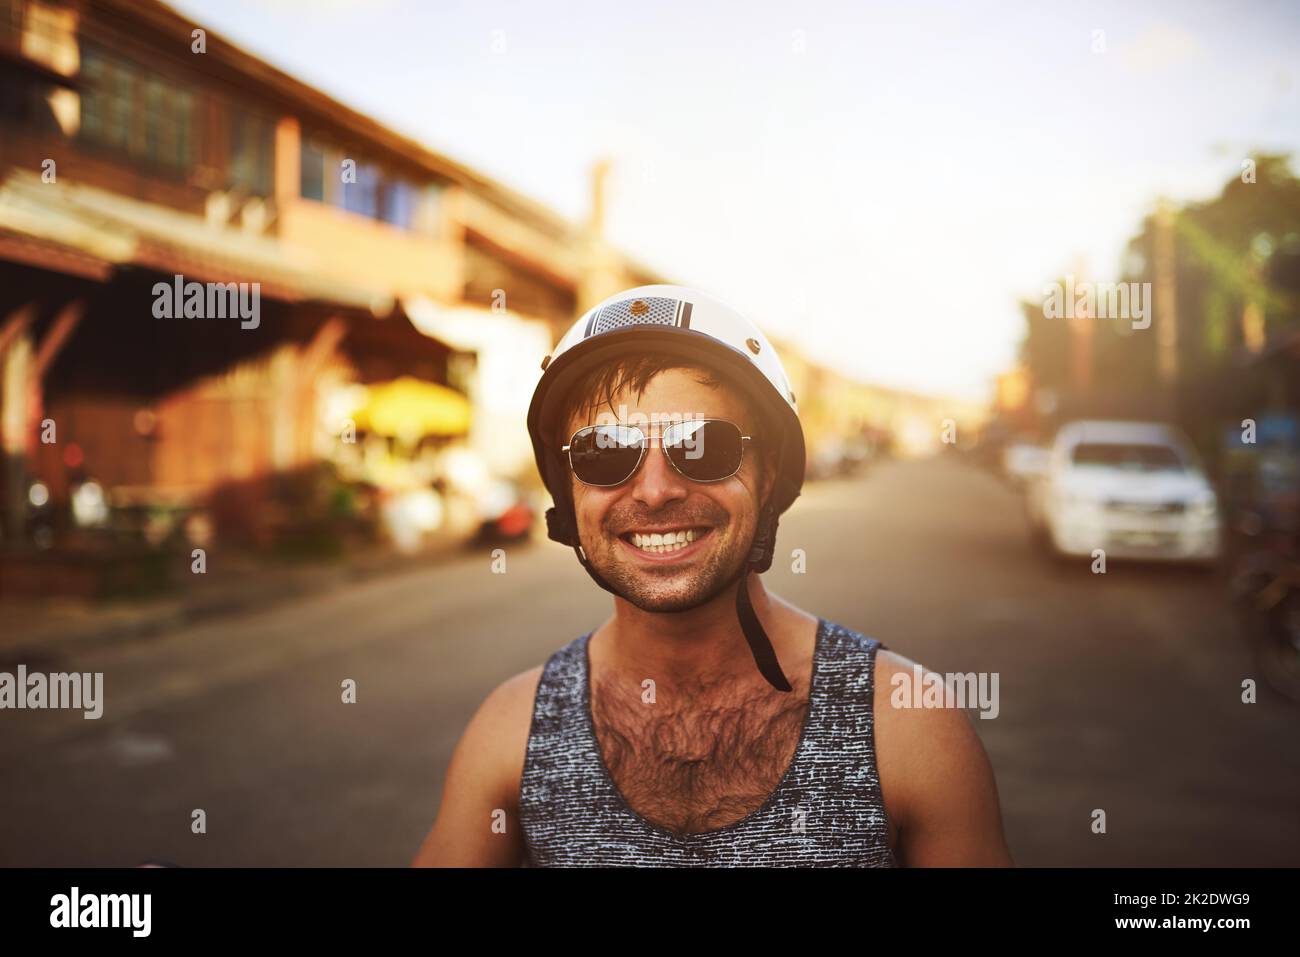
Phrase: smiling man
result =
(707, 722)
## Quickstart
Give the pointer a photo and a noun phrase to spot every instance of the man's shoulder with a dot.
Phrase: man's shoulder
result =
(844, 635)
(513, 698)
(860, 650)
(890, 669)
(910, 731)
(512, 701)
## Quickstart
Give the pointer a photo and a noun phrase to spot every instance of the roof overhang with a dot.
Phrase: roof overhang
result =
(82, 230)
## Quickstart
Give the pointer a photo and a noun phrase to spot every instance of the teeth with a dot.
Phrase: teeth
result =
(659, 542)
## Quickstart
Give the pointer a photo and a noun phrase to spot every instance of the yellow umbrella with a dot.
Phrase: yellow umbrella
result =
(411, 408)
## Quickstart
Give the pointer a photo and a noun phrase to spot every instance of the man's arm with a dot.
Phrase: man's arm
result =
(937, 781)
(482, 784)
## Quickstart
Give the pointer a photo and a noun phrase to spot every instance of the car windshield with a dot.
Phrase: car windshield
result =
(1131, 457)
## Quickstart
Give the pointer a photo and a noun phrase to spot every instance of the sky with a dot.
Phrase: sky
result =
(880, 182)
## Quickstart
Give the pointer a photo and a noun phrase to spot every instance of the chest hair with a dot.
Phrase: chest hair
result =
(704, 755)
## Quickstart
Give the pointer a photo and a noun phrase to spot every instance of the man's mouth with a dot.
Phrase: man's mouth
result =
(665, 541)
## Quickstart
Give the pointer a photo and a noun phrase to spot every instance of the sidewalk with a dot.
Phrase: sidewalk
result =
(37, 628)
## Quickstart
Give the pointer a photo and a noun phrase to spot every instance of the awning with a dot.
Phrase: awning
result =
(121, 231)
(410, 408)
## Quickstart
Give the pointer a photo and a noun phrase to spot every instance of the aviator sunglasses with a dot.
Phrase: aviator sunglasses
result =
(703, 450)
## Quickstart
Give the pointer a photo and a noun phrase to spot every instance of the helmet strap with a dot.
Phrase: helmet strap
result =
(759, 644)
(761, 551)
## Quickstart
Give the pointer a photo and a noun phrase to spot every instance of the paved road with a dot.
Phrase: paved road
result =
(1119, 692)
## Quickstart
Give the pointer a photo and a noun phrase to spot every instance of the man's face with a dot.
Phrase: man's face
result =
(721, 516)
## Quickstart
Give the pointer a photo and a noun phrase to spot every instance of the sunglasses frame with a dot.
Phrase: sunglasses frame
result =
(645, 447)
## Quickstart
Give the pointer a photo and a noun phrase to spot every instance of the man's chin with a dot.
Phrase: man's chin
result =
(665, 605)
(661, 594)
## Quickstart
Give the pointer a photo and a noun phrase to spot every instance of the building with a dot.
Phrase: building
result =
(155, 179)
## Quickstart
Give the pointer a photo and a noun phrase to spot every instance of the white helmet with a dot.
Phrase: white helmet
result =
(685, 323)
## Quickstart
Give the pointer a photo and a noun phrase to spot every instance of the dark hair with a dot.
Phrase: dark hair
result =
(633, 372)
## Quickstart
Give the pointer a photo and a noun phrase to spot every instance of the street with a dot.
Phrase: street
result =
(1119, 692)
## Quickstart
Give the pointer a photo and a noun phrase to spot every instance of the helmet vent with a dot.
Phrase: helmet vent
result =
(646, 311)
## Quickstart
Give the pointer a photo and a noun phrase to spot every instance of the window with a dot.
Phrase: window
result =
(373, 191)
(312, 175)
(184, 106)
(166, 124)
(1130, 457)
(362, 196)
(399, 202)
(128, 109)
(11, 21)
(252, 151)
(105, 99)
(24, 101)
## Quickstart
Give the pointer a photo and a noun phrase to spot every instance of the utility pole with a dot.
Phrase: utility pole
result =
(1166, 298)
(601, 271)
(1081, 332)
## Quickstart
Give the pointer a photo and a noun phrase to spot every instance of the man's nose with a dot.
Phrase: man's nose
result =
(657, 482)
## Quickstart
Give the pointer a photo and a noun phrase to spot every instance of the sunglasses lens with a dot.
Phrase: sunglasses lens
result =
(605, 454)
(705, 451)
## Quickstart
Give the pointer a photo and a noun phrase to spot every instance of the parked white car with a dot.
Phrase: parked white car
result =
(1132, 489)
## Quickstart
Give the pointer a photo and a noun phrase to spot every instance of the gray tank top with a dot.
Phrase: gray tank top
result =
(827, 810)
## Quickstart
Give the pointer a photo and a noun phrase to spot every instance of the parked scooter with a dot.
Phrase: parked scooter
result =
(505, 513)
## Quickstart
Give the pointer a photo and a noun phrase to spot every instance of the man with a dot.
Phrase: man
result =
(707, 722)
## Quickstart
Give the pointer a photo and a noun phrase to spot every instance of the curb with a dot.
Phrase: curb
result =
(255, 594)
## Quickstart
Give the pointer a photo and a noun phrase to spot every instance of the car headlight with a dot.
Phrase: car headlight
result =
(1203, 508)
